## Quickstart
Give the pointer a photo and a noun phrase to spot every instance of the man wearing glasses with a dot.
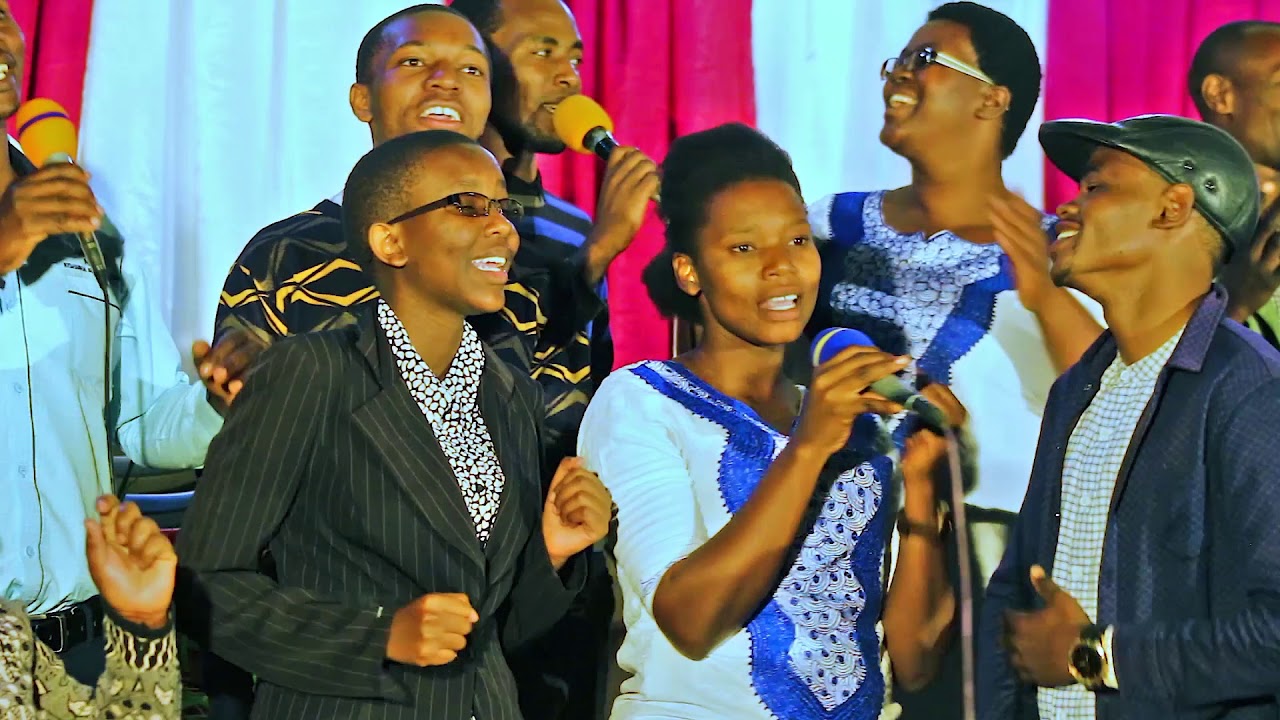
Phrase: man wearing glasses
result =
(953, 269)
(392, 467)
(424, 67)
(421, 68)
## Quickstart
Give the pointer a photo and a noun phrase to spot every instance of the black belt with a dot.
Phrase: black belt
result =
(65, 629)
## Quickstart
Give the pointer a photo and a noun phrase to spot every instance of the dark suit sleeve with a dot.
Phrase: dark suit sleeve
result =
(1000, 695)
(256, 467)
(1207, 662)
(540, 595)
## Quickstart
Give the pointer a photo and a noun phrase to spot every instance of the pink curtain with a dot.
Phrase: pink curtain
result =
(1109, 60)
(662, 68)
(57, 34)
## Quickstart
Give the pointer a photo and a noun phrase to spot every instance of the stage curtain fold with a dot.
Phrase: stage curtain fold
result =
(57, 40)
(662, 68)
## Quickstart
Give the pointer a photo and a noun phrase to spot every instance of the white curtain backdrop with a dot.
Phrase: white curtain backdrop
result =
(205, 120)
(817, 73)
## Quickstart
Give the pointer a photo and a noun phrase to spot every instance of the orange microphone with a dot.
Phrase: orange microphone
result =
(47, 137)
(45, 132)
(583, 125)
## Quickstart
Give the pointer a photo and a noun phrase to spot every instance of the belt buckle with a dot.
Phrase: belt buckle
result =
(62, 633)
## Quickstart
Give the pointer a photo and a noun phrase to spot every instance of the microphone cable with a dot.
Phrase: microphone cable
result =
(963, 561)
(97, 263)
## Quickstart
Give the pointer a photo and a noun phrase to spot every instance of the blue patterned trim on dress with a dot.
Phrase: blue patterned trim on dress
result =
(932, 297)
(815, 651)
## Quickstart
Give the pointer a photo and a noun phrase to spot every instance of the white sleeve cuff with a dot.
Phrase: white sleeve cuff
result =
(1110, 678)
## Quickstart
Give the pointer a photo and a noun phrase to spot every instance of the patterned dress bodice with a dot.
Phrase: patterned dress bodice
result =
(815, 648)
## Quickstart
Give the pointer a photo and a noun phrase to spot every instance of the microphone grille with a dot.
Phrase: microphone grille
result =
(576, 116)
(44, 130)
(828, 343)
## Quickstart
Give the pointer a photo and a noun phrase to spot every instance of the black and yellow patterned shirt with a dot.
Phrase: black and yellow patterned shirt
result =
(296, 276)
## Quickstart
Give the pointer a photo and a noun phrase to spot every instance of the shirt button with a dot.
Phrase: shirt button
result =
(31, 551)
(18, 387)
(22, 471)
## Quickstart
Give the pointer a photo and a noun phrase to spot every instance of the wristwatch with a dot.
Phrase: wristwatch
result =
(1089, 662)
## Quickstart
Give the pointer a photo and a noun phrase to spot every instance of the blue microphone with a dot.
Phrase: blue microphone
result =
(831, 341)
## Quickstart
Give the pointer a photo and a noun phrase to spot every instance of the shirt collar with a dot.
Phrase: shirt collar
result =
(1119, 373)
(1190, 352)
(528, 194)
(468, 362)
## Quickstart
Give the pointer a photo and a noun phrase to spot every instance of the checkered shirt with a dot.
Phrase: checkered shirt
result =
(1095, 452)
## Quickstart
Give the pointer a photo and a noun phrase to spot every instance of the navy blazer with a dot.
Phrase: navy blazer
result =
(1190, 575)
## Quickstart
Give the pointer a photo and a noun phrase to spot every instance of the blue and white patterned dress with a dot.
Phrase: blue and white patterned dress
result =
(952, 305)
(680, 458)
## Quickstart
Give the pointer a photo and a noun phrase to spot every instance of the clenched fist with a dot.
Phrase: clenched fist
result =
(431, 630)
(576, 514)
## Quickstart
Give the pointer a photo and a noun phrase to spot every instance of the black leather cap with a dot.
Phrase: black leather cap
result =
(1186, 151)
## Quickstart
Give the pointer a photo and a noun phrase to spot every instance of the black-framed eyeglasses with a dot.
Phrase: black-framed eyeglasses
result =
(917, 60)
(467, 204)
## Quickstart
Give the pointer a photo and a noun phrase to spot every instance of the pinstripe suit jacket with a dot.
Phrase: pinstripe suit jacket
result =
(326, 459)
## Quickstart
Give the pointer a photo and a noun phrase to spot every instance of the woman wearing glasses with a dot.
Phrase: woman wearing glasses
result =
(393, 470)
(953, 268)
(754, 516)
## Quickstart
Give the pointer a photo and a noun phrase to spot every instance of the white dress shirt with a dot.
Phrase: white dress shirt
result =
(1090, 469)
(54, 447)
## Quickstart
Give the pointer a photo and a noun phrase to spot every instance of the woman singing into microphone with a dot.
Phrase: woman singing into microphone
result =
(753, 516)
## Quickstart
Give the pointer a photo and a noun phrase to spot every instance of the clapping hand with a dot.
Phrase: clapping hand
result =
(131, 562)
(577, 511)
(1019, 232)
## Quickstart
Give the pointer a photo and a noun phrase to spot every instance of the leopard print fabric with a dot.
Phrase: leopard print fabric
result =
(141, 681)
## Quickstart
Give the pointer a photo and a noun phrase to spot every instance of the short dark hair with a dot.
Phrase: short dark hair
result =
(1007, 55)
(486, 15)
(373, 40)
(1217, 55)
(698, 167)
(378, 188)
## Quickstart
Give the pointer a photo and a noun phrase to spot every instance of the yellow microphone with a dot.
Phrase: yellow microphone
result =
(45, 132)
(582, 125)
(47, 137)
